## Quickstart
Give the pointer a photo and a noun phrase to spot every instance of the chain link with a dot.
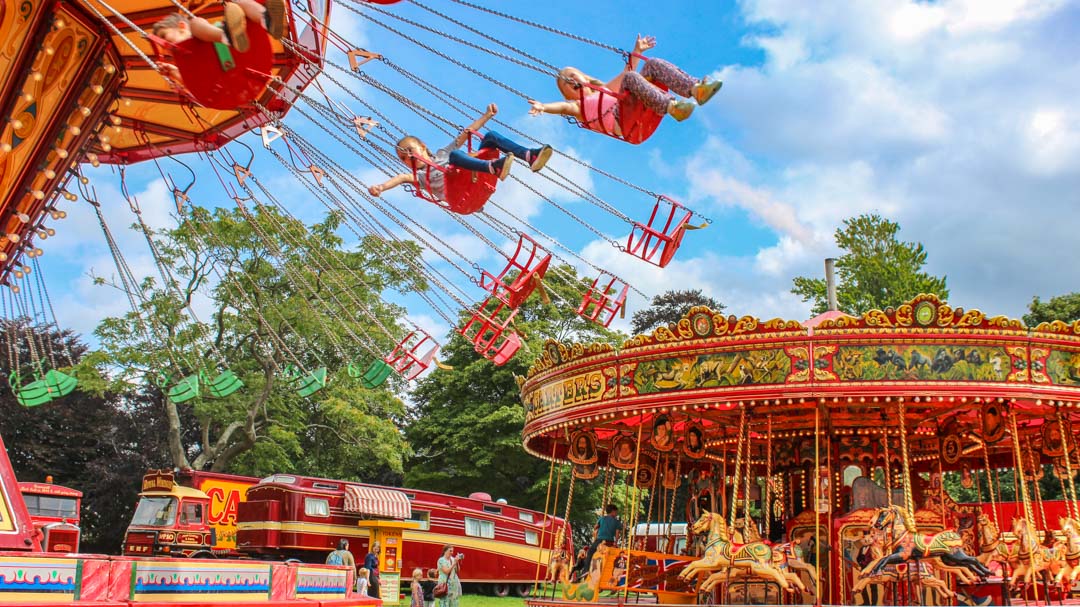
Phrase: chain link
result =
(546, 28)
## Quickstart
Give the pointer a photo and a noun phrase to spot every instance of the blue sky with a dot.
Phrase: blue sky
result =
(958, 119)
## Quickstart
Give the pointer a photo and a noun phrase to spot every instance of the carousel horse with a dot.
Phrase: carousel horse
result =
(1034, 559)
(722, 553)
(1071, 568)
(784, 557)
(992, 549)
(869, 586)
(906, 543)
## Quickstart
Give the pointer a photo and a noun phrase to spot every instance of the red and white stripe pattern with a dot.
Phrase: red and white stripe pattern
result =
(385, 503)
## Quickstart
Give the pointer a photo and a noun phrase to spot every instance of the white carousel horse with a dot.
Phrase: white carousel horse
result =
(722, 553)
(992, 549)
(1033, 559)
(1070, 570)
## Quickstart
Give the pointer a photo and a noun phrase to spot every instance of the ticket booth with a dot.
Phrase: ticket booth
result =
(388, 535)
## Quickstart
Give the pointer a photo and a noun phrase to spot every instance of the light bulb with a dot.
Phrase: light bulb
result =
(50, 231)
(16, 123)
(84, 180)
(109, 68)
(59, 23)
(94, 163)
(61, 153)
(37, 253)
(38, 194)
(103, 137)
(18, 273)
(70, 196)
(3, 256)
(98, 89)
(5, 147)
(23, 217)
(105, 147)
(74, 130)
(115, 120)
(26, 269)
(42, 234)
(50, 51)
(36, 76)
(85, 111)
(49, 173)
(14, 288)
(127, 103)
(28, 97)
(13, 237)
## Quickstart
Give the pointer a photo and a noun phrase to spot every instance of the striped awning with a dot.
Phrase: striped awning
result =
(373, 501)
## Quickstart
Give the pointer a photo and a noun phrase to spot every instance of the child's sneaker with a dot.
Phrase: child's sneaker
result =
(538, 159)
(704, 90)
(276, 18)
(501, 167)
(236, 27)
(680, 110)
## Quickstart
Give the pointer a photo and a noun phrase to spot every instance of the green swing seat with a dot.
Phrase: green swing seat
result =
(305, 384)
(185, 389)
(374, 376)
(60, 383)
(224, 384)
(32, 394)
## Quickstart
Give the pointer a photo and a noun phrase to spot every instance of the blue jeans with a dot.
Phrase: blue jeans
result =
(491, 139)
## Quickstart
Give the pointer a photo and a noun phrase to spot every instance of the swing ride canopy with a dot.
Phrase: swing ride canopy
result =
(957, 375)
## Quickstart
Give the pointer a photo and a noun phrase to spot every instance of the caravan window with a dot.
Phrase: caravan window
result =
(479, 528)
(531, 539)
(316, 507)
(423, 517)
(525, 516)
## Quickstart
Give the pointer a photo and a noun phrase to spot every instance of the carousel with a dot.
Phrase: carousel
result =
(807, 459)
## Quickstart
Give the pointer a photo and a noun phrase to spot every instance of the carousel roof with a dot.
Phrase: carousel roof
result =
(957, 373)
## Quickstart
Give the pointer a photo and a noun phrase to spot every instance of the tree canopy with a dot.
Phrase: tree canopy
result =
(876, 271)
(668, 307)
(281, 294)
(1060, 307)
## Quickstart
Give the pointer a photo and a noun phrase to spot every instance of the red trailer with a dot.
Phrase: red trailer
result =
(291, 516)
(54, 512)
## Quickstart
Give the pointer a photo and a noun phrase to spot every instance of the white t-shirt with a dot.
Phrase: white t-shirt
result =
(437, 185)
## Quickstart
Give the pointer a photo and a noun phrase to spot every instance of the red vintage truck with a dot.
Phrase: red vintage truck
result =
(286, 516)
(54, 513)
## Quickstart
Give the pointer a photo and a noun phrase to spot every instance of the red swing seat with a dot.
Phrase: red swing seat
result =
(636, 121)
(413, 354)
(604, 299)
(531, 262)
(219, 77)
(657, 244)
(487, 330)
(466, 191)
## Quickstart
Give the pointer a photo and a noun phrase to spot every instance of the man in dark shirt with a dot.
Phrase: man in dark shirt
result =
(608, 529)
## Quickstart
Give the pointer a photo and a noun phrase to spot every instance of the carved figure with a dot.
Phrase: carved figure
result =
(906, 543)
(1070, 570)
(1034, 559)
(722, 553)
(992, 549)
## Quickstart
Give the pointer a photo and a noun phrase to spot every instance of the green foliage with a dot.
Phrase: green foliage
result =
(877, 271)
(1060, 307)
(668, 307)
(281, 293)
(88, 440)
(466, 424)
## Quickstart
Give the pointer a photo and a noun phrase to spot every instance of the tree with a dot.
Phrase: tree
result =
(466, 426)
(100, 444)
(1061, 307)
(877, 271)
(287, 297)
(668, 307)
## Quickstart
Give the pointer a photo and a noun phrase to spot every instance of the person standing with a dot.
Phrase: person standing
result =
(416, 591)
(448, 574)
(342, 556)
(428, 586)
(371, 563)
(607, 531)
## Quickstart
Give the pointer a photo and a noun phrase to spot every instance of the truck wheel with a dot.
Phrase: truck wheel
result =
(523, 590)
(203, 554)
(501, 590)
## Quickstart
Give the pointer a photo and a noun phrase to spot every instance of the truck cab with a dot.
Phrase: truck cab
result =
(54, 512)
(170, 520)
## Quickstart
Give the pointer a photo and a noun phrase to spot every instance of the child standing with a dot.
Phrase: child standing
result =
(178, 27)
(410, 148)
(429, 587)
(600, 112)
(415, 589)
(362, 581)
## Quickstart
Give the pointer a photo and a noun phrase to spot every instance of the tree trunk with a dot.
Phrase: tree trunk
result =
(177, 453)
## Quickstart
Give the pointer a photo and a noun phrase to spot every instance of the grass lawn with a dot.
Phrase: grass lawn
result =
(483, 600)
